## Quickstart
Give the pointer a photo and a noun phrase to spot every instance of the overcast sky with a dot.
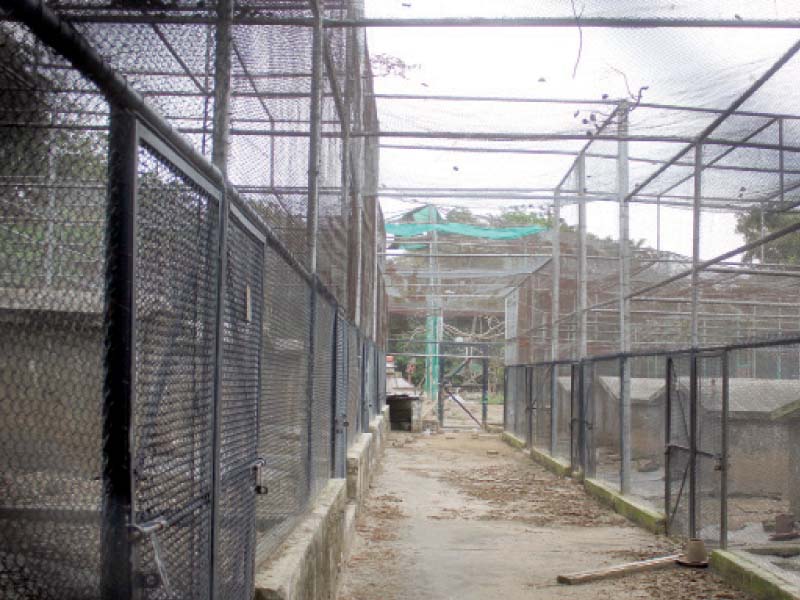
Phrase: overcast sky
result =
(708, 68)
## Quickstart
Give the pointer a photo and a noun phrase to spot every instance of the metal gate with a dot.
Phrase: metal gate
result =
(237, 413)
(696, 409)
(182, 380)
(463, 386)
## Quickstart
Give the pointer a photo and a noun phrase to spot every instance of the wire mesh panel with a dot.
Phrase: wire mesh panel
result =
(648, 414)
(283, 414)
(762, 445)
(708, 486)
(355, 383)
(542, 378)
(370, 383)
(238, 412)
(364, 395)
(510, 400)
(341, 414)
(678, 468)
(606, 449)
(563, 399)
(322, 405)
(176, 304)
(516, 402)
(51, 328)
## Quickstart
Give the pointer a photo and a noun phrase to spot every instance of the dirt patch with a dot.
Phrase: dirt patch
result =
(527, 493)
(670, 584)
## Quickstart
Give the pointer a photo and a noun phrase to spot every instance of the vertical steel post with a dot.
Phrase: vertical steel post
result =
(485, 387)
(505, 398)
(587, 405)
(693, 393)
(119, 385)
(658, 226)
(315, 133)
(529, 404)
(624, 297)
(723, 517)
(554, 408)
(312, 223)
(625, 426)
(440, 388)
(219, 347)
(781, 161)
(555, 299)
(667, 443)
(696, 213)
(334, 427)
(220, 151)
(582, 260)
(223, 59)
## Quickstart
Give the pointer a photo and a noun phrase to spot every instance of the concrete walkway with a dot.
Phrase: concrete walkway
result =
(465, 517)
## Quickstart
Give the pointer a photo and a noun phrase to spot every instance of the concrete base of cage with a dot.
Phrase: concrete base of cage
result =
(641, 515)
(562, 469)
(747, 575)
(307, 565)
(513, 440)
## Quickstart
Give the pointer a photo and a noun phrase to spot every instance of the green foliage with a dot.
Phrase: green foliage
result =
(462, 215)
(516, 217)
(785, 250)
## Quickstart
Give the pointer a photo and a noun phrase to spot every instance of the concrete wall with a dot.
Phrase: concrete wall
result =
(307, 565)
(758, 456)
(51, 383)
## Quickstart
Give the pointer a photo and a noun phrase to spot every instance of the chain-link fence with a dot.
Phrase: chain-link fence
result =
(183, 362)
(681, 433)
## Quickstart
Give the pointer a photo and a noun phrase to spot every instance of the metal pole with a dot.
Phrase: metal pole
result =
(781, 161)
(553, 409)
(530, 406)
(119, 385)
(216, 510)
(582, 261)
(315, 132)
(440, 389)
(485, 388)
(624, 300)
(555, 301)
(693, 383)
(625, 426)
(696, 213)
(223, 59)
(723, 517)
(334, 426)
(667, 444)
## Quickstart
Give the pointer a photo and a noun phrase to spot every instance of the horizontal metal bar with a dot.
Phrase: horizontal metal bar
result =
(568, 22)
(575, 101)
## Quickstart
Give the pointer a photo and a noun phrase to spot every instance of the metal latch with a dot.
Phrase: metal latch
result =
(150, 530)
(261, 485)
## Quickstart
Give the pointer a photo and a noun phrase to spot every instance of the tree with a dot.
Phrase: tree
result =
(783, 250)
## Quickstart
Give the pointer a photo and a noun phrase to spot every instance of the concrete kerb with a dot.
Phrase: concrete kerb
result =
(641, 515)
(308, 563)
(746, 574)
(512, 440)
(306, 566)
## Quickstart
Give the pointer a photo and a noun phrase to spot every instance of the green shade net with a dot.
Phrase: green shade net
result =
(490, 233)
